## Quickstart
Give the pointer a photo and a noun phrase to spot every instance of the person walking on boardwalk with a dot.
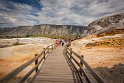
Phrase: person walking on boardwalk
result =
(62, 42)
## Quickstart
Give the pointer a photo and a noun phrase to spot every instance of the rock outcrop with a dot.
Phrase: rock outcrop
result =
(104, 24)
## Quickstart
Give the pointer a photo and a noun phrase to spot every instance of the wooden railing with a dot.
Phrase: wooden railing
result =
(38, 59)
(81, 70)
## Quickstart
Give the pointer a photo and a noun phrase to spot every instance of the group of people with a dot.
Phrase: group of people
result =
(59, 42)
(62, 42)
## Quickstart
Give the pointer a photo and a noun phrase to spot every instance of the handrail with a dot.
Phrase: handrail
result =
(16, 71)
(69, 53)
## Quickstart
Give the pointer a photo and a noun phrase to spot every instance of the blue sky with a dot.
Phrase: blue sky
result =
(62, 12)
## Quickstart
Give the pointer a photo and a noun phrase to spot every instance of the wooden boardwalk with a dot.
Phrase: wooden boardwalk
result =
(55, 69)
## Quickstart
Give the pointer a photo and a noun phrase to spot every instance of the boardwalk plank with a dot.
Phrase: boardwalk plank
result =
(55, 69)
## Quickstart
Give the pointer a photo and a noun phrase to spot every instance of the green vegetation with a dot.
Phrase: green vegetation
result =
(55, 36)
(9, 37)
(66, 37)
(108, 42)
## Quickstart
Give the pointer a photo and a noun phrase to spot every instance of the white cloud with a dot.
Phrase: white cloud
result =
(17, 16)
(79, 12)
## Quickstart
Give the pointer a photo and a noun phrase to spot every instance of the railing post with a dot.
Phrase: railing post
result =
(81, 63)
(44, 53)
(70, 53)
(36, 62)
(50, 48)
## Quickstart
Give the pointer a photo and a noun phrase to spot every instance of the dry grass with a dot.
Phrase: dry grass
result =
(107, 42)
(110, 33)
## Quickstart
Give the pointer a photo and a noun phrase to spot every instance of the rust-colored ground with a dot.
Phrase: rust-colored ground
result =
(12, 57)
(104, 51)
(103, 56)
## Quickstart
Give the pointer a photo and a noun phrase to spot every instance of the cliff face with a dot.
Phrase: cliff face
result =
(44, 29)
(104, 24)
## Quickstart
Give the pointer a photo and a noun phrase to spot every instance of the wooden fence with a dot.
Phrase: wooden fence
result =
(80, 68)
(37, 60)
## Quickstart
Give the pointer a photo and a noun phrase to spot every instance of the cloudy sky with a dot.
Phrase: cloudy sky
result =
(63, 12)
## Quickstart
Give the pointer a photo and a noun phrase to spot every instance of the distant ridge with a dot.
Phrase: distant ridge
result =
(47, 30)
(104, 24)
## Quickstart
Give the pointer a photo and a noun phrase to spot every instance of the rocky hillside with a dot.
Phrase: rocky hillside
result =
(44, 30)
(105, 24)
